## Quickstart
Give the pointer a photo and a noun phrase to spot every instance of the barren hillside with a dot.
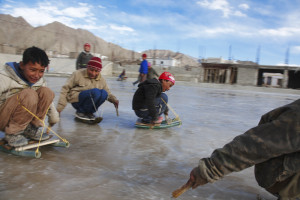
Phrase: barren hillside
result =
(59, 39)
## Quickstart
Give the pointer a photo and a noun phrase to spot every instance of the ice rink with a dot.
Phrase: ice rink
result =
(115, 161)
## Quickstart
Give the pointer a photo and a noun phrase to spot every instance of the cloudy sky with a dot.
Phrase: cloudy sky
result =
(231, 29)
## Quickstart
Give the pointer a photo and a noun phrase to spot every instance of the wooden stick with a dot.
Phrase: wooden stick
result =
(176, 115)
(30, 146)
(117, 111)
(182, 190)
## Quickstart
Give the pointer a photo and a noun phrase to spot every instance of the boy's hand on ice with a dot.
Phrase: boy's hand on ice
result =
(116, 104)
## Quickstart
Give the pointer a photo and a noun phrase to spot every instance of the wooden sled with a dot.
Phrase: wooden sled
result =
(122, 79)
(24, 150)
(96, 121)
(163, 124)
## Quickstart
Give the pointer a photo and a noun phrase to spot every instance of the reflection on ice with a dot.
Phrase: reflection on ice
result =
(113, 160)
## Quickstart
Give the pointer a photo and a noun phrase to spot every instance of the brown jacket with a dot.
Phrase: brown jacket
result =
(80, 81)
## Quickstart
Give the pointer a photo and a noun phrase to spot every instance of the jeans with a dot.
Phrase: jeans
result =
(159, 105)
(90, 100)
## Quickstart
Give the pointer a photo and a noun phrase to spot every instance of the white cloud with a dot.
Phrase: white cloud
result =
(35, 17)
(100, 6)
(83, 4)
(244, 6)
(221, 5)
(239, 14)
(281, 32)
(295, 49)
(46, 12)
(121, 28)
(5, 7)
(79, 12)
(224, 7)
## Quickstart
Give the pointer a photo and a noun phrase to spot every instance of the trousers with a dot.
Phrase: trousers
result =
(14, 118)
(90, 100)
(160, 106)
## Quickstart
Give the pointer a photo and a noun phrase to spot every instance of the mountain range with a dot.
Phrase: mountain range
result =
(58, 39)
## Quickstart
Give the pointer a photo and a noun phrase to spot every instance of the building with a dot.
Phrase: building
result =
(164, 62)
(250, 74)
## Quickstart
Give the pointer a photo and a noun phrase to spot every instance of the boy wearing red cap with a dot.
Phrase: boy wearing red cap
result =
(86, 90)
(84, 57)
(149, 101)
(143, 70)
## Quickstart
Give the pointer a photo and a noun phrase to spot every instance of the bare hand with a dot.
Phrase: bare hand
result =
(116, 104)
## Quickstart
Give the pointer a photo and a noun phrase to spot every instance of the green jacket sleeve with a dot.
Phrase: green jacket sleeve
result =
(277, 134)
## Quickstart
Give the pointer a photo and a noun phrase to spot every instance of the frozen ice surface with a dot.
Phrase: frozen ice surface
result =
(114, 160)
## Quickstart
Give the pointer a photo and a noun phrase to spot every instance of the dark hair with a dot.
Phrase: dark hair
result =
(35, 55)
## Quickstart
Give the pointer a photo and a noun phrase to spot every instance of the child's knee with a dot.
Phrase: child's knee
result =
(28, 97)
(99, 93)
(45, 93)
(164, 97)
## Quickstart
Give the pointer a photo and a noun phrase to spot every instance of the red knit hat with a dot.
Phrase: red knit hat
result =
(86, 44)
(144, 55)
(95, 63)
(167, 76)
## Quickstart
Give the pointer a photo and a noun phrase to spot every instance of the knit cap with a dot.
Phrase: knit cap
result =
(95, 63)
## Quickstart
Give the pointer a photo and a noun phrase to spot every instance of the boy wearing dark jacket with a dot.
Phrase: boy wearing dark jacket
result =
(149, 101)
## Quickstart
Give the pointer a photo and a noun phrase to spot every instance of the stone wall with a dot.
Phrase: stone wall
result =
(247, 75)
(57, 66)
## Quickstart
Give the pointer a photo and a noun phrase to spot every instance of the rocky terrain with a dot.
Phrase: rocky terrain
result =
(58, 39)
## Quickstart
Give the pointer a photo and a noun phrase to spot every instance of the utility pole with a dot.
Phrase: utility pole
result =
(229, 56)
(258, 55)
(287, 55)
(154, 56)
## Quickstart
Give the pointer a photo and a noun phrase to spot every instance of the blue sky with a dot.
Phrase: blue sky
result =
(199, 28)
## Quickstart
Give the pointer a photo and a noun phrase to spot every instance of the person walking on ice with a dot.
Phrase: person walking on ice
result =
(86, 90)
(143, 71)
(150, 102)
(25, 100)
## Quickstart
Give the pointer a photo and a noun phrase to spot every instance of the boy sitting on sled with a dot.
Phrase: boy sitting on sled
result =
(86, 89)
(150, 102)
(24, 97)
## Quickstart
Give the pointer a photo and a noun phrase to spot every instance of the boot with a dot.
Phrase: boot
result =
(15, 140)
(35, 133)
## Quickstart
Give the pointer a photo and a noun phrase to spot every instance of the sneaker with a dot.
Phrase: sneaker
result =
(145, 121)
(35, 133)
(15, 140)
(82, 116)
(91, 116)
(159, 120)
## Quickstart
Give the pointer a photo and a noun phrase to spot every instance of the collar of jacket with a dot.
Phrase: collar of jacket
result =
(87, 76)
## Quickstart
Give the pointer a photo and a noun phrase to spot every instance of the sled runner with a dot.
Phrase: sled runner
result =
(27, 151)
(163, 124)
(95, 121)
